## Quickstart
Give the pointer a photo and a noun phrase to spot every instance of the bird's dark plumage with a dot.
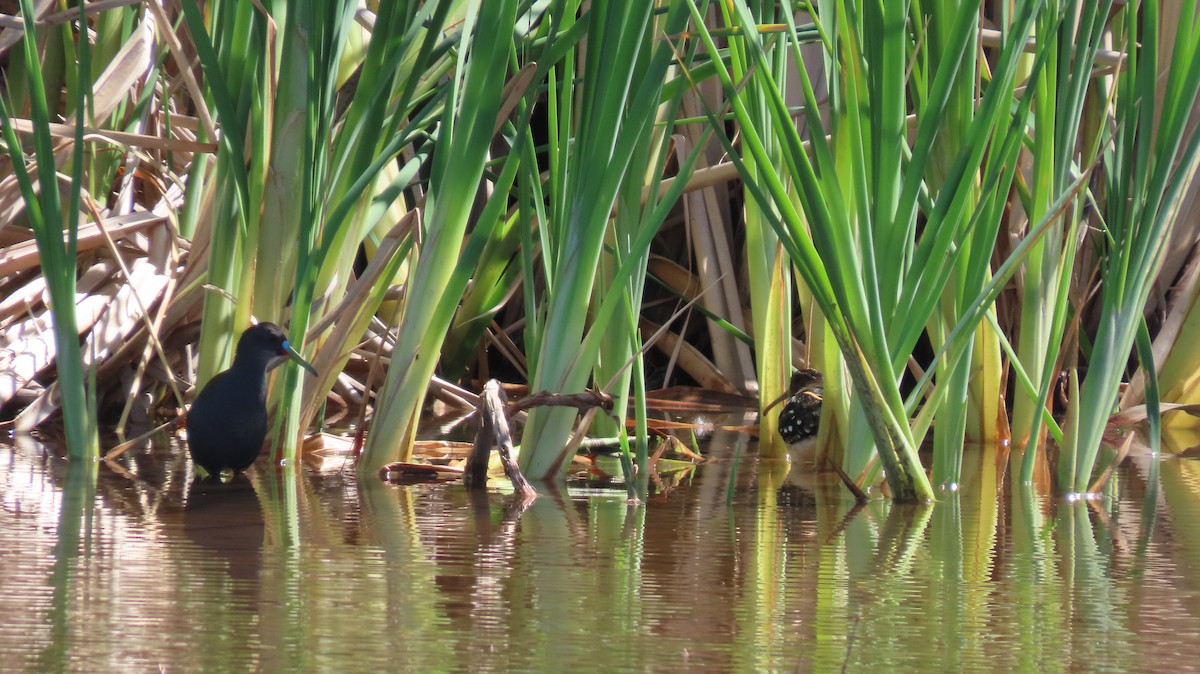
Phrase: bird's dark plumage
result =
(227, 423)
(801, 414)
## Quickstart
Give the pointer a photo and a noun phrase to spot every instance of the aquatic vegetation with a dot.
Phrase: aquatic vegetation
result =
(962, 215)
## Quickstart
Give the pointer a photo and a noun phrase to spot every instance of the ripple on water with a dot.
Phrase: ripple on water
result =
(314, 571)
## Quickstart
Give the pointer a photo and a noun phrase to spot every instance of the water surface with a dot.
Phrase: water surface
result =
(732, 569)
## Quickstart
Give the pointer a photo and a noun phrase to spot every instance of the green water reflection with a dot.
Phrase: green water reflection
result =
(303, 571)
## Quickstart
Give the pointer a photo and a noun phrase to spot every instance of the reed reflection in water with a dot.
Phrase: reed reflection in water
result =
(307, 571)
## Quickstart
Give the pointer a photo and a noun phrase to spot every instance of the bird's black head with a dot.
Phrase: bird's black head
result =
(264, 338)
(267, 342)
(806, 377)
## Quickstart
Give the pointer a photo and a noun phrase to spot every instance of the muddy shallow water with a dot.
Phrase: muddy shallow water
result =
(738, 567)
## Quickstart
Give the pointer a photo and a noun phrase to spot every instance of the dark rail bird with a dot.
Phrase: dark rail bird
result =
(227, 423)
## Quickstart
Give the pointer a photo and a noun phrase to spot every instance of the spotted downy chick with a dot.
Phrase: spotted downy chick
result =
(801, 414)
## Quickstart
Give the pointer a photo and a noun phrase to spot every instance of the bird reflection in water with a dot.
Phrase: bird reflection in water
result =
(226, 518)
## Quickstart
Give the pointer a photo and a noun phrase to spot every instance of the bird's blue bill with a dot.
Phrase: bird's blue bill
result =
(294, 355)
